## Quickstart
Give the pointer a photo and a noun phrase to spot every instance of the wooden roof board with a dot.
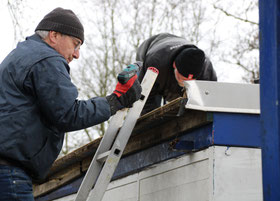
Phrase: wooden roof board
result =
(152, 128)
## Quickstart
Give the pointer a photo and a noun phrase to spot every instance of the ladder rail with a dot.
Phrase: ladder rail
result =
(105, 144)
(102, 172)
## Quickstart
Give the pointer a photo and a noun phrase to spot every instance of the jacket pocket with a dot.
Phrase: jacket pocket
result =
(43, 160)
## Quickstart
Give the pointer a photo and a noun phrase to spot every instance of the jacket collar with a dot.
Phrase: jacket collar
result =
(37, 38)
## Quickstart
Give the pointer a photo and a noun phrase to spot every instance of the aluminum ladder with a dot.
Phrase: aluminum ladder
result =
(111, 147)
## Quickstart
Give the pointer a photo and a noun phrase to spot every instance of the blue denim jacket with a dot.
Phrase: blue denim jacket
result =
(38, 103)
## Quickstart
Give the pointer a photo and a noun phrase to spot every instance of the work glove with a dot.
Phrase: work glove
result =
(125, 94)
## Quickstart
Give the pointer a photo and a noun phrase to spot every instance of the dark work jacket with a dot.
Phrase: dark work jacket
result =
(38, 103)
(160, 51)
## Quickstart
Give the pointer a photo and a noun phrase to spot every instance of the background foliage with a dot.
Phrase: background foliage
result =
(226, 30)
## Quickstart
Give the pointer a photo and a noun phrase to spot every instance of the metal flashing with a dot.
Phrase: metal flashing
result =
(223, 97)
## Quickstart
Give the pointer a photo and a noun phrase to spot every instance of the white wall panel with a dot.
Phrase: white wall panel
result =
(217, 173)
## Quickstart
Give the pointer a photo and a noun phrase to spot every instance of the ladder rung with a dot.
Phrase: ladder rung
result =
(103, 165)
(102, 157)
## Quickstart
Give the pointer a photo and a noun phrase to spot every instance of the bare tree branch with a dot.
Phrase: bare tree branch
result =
(234, 16)
(117, 28)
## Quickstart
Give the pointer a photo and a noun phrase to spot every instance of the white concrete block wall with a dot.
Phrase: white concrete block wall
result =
(237, 174)
(215, 174)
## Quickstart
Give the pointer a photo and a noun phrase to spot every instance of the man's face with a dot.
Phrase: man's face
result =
(67, 46)
(180, 78)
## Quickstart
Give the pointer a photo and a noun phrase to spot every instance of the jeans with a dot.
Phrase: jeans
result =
(15, 184)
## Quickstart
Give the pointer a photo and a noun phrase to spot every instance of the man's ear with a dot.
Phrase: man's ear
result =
(53, 37)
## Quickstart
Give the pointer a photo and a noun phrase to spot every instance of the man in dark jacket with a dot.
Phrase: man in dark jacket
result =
(38, 102)
(177, 61)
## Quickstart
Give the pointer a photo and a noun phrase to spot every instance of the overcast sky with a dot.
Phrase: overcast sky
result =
(36, 11)
(6, 33)
(40, 8)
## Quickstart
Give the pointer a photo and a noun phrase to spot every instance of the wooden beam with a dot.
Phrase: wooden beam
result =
(167, 130)
(57, 180)
(152, 128)
(76, 156)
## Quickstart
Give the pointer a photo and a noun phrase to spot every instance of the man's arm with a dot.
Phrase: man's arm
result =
(55, 94)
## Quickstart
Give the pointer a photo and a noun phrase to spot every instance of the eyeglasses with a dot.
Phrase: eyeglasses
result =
(77, 43)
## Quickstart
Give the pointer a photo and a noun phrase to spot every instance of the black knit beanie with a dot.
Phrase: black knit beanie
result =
(190, 61)
(63, 21)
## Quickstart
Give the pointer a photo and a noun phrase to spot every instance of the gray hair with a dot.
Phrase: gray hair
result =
(43, 34)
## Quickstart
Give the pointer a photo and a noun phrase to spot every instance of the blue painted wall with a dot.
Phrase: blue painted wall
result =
(227, 129)
(269, 11)
(236, 129)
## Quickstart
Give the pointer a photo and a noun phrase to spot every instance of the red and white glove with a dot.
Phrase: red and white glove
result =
(125, 95)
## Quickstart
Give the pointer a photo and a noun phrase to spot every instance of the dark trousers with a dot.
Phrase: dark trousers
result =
(15, 184)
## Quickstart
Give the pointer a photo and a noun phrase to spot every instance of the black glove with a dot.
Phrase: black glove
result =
(125, 95)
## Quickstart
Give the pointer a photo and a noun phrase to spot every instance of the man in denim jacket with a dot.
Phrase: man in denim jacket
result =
(38, 102)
